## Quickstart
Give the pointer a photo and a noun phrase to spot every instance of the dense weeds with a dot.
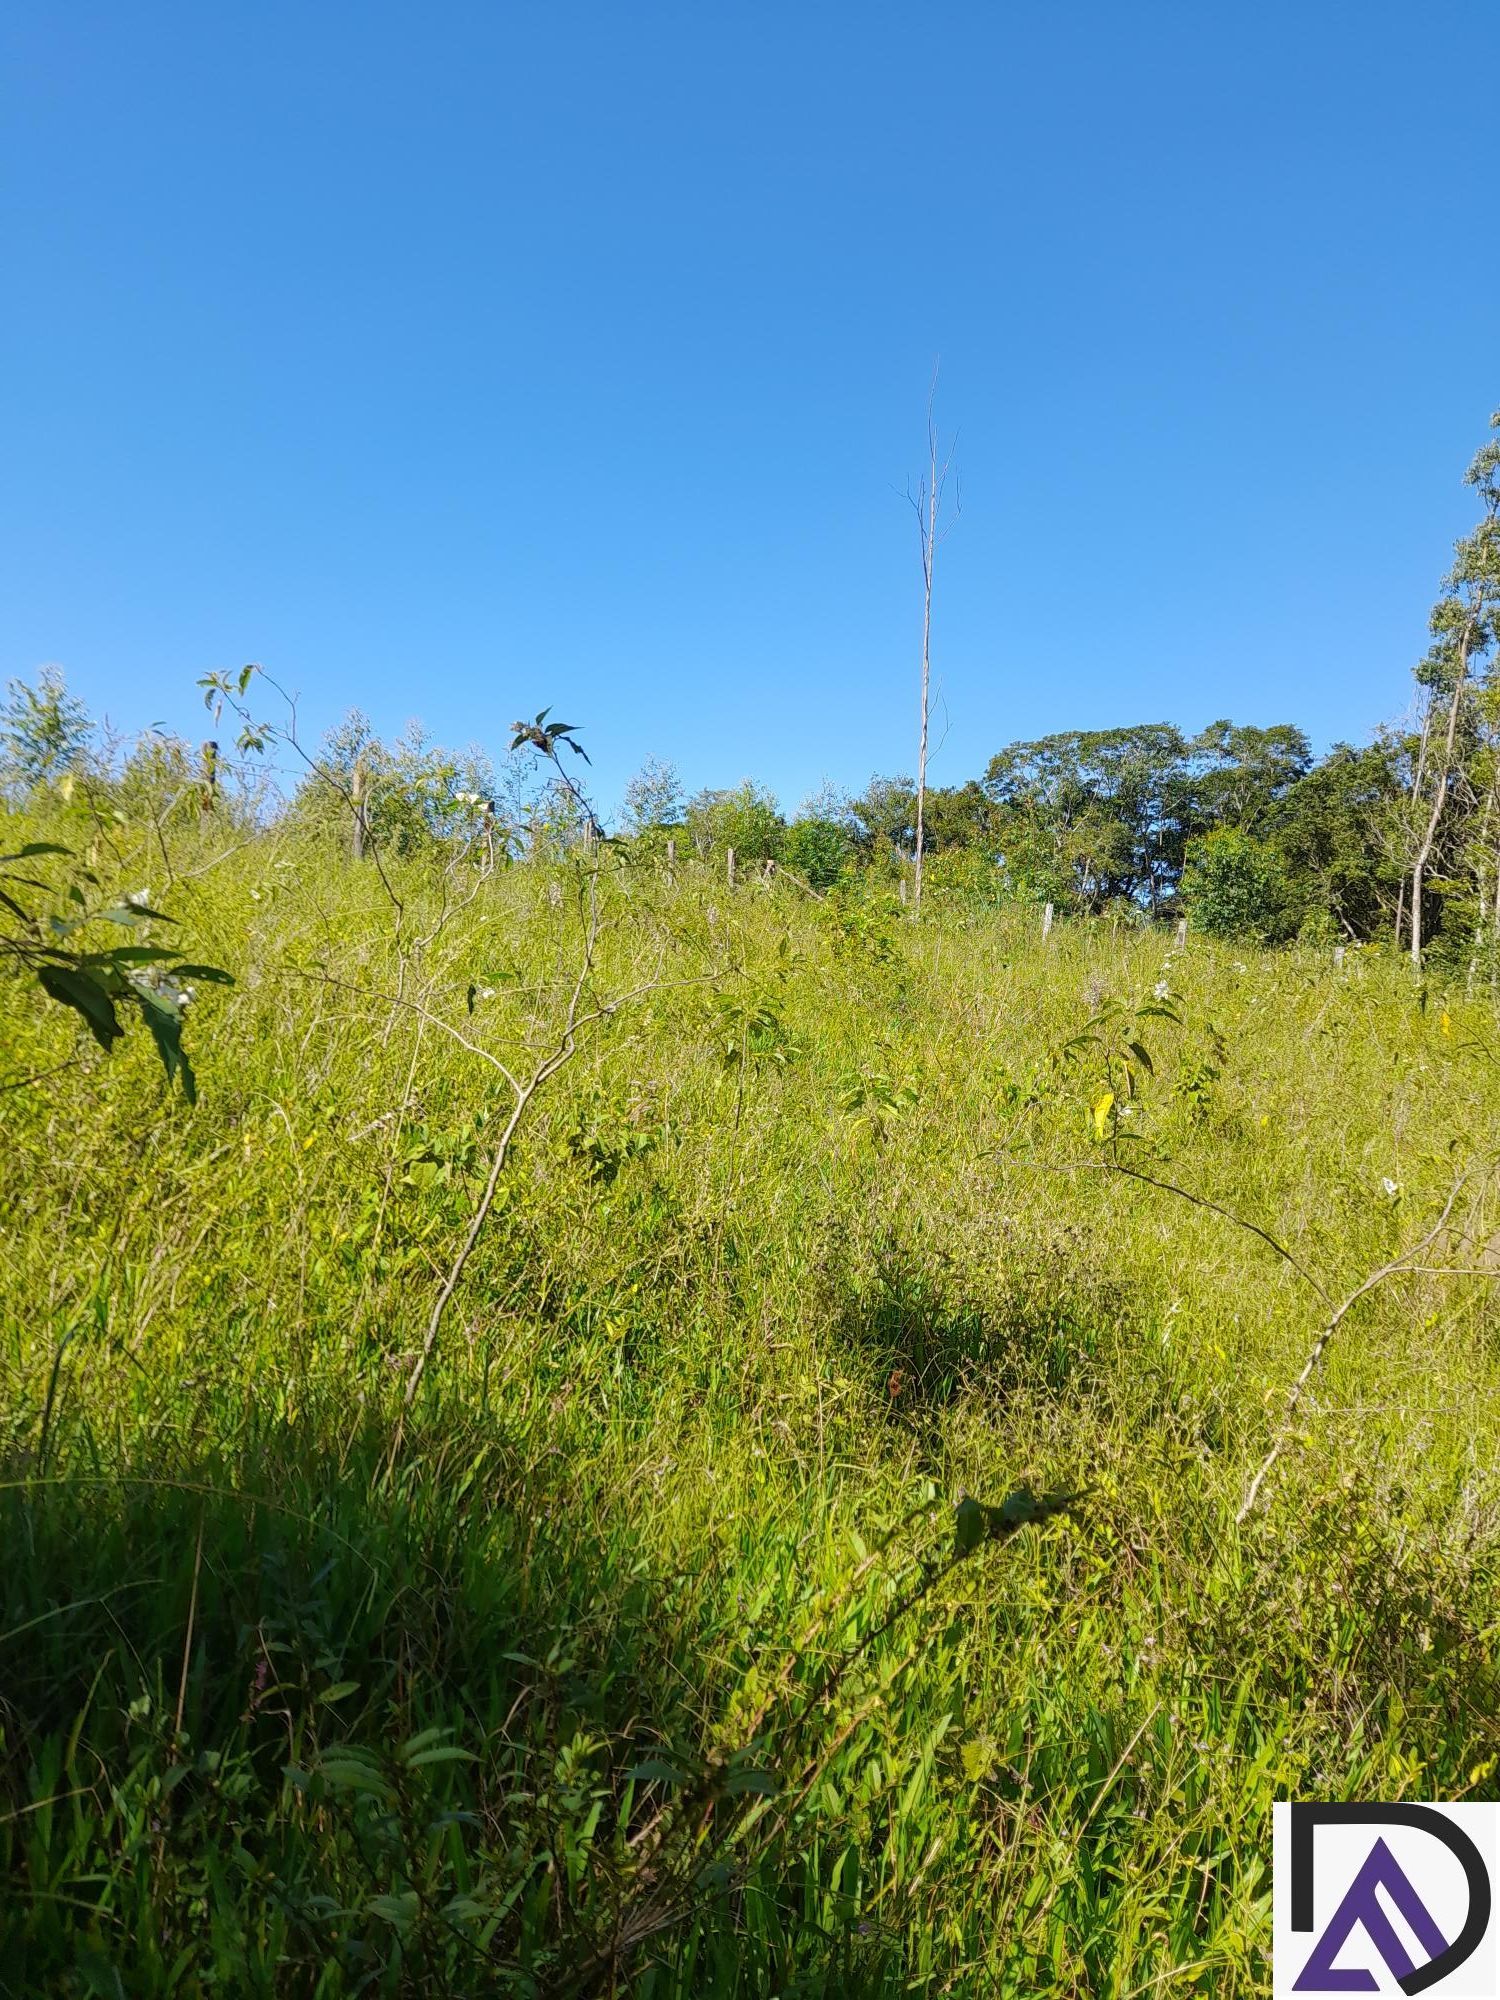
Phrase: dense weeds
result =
(634, 1654)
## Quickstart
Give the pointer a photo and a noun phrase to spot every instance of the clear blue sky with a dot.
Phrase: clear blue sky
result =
(454, 359)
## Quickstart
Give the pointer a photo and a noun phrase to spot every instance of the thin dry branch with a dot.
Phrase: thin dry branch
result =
(574, 1022)
(1398, 1263)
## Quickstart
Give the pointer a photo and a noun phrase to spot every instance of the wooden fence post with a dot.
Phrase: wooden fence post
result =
(729, 871)
(671, 862)
(1046, 923)
(1181, 932)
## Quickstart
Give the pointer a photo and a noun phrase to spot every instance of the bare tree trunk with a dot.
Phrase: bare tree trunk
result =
(927, 503)
(929, 552)
(1440, 797)
(1416, 794)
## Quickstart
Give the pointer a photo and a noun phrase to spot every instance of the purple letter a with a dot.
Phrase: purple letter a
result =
(1361, 1906)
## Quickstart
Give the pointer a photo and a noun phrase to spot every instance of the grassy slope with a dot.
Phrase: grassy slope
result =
(770, 1282)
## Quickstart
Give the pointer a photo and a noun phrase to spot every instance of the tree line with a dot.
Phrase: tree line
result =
(1237, 825)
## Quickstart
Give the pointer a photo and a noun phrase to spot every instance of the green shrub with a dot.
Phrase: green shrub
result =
(1237, 887)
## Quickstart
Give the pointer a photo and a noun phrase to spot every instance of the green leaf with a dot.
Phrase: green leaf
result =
(975, 1523)
(351, 1772)
(968, 1525)
(128, 954)
(165, 1024)
(445, 1753)
(215, 974)
(762, 1783)
(86, 997)
(400, 1910)
(339, 1690)
(653, 1771)
(1142, 1057)
(34, 847)
(421, 1741)
(130, 915)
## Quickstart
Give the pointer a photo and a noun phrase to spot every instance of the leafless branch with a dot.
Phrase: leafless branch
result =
(1294, 1399)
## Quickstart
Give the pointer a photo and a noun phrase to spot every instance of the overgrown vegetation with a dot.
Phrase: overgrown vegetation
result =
(641, 1637)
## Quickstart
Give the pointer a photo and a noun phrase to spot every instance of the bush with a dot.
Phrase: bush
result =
(1237, 887)
(819, 850)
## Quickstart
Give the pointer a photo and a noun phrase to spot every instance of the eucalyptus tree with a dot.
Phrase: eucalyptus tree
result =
(1449, 810)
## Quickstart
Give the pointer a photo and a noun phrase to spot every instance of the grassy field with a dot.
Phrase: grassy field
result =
(646, 1647)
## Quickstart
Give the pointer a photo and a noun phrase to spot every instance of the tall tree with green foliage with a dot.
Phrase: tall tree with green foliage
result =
(1097, 806)
(745, 817)
(653, 798)
(45, 732)
(1458, 677)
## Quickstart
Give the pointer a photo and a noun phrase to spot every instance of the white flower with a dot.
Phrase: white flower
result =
(1392, 1188)
(1161, 990)
(138, 899)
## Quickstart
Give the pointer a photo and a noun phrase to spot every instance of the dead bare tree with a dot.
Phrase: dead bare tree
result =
(927, 504)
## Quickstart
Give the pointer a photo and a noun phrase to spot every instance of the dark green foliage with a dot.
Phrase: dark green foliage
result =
(819, 850)
(886, 812)
(97, 981)
(1335, 830)
(746, 818)
(1237, 887)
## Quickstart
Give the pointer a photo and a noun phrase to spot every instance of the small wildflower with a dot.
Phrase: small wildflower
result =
(1392, 1188)
(138, 899)
(1161, 990)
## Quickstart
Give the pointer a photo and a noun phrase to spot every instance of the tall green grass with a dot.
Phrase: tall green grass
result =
(593, 1675)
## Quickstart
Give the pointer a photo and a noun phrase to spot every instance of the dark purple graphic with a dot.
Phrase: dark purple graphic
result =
(1361, 1908)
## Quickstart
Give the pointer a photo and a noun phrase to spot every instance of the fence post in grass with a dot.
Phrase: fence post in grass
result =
(1181, 932)
(902, 886)
(768, 871)
(1046, 922)
(1338, 958)
(357, 800)
(729, 869)
(671, 862)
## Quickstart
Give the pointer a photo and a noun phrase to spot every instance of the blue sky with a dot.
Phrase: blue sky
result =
(456, 359)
